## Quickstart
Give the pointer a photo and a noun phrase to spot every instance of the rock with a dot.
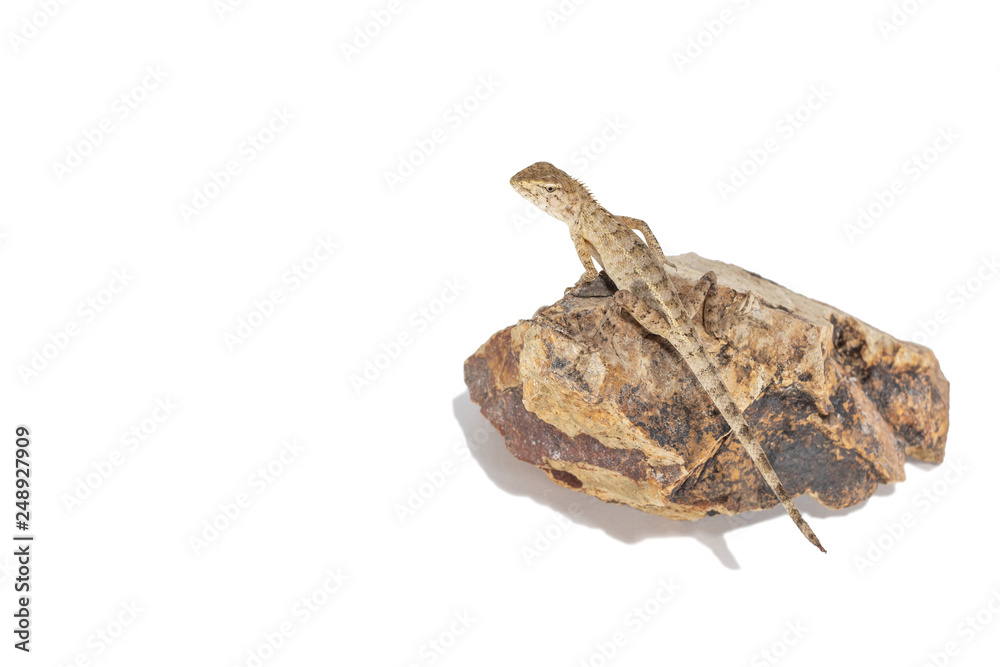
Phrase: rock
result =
(603, 407)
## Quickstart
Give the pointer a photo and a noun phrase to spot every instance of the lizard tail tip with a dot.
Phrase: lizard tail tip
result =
(811, 536)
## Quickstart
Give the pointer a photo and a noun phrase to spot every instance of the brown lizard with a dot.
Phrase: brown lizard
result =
(647, 293)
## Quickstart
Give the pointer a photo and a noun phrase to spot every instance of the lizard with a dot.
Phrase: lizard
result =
(646, 292)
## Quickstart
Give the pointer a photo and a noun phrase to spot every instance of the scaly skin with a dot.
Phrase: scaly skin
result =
(645, 291)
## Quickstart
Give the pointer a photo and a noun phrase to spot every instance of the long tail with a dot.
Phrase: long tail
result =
(711, 381)
(682, 336)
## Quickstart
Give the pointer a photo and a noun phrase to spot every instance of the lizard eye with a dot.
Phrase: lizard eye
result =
(551, 188)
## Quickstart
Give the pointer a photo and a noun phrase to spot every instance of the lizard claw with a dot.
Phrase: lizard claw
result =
(580, 288)
(749, 304)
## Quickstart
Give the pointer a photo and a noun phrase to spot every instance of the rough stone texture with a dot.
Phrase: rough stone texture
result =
(603, 407)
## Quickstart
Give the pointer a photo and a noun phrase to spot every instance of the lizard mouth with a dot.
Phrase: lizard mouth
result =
(518, 186)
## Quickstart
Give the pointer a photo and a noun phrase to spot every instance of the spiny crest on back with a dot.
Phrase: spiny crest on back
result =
(585, 188)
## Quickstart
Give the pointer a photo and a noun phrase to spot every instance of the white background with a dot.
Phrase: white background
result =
(662, 135)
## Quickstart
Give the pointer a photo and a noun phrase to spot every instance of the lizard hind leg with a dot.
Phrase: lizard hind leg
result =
(648, 318)
(702, 304)
(625, 302)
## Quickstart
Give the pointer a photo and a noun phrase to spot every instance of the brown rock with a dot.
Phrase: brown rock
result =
(603, 407)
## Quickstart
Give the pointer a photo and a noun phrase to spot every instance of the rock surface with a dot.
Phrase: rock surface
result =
(603, 407)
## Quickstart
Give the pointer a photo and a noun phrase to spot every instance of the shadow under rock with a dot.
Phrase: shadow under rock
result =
(621, 522)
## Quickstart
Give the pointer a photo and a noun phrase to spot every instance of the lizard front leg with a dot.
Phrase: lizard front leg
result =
(585, 252)
(647, 233)
(643, 228)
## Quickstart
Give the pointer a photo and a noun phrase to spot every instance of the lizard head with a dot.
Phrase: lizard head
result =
(552, 190)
